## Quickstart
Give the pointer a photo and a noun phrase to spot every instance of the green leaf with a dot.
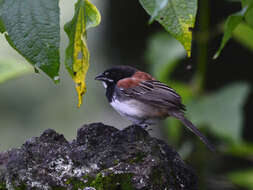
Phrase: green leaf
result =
(221, 111)
(231, 23)
(249, 15)
(10, 69)
(246, 2)
(77, 54)
(159, 6)
(177, 17)
(243, 150)
(2, 28)
(244, 34)
(163, 53)
(243, 178)
(33, 30)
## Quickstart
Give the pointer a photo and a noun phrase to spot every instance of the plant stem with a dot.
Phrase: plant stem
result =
(202, 58)
(202, 45)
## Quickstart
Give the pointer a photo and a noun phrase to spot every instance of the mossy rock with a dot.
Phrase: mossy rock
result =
(100, 158)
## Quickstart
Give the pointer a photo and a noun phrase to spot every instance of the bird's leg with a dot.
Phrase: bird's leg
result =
(150, 129)
(143, 125)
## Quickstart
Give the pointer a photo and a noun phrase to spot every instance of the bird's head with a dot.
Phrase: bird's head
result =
(113, 75)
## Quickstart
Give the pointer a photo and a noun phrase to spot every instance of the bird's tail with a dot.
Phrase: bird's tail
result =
(190, 126)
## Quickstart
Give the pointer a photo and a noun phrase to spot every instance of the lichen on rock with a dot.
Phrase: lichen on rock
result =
(100, 158)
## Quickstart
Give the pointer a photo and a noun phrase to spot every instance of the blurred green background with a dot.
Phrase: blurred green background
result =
(217, 92)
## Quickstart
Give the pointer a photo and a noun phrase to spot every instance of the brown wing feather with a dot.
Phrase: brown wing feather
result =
(135, 80)
(153, 92)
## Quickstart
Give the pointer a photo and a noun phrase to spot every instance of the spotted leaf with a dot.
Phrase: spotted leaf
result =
(77, 53)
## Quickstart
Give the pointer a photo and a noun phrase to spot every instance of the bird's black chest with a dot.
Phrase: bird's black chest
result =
(113, 92)
(109, 92)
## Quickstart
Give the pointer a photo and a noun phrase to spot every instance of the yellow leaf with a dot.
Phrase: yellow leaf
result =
(176, 16)
(81, 57)
(186, 34)
(77, 53)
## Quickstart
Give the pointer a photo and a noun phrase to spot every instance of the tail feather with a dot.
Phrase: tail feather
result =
(190, 126)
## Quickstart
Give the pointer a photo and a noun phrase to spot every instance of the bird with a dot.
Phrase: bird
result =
(143, 100)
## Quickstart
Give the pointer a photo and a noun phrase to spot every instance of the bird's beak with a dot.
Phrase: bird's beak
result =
(101, 77)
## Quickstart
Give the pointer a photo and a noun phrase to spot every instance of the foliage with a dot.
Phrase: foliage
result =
(222, 111)
(234, 20)
(244, 35)
(241, 149)
(176, 16)
(230, 25)
(243, 178)
(163, 53)
(32, 28)
(77, 53)
(37, 37)
(225, 118)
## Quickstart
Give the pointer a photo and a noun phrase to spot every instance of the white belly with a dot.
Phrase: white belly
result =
(135, 111)
(129, 108)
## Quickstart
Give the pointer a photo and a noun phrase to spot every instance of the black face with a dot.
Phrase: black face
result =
(113, 75)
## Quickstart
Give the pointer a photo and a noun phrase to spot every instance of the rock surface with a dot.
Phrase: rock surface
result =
(100, 158)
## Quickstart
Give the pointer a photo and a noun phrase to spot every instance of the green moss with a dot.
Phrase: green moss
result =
(88, 179)
(116, 162)
(112, 182)
(76, 183)
(3, 186)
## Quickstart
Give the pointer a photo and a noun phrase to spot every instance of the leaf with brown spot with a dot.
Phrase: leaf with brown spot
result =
(77, 53)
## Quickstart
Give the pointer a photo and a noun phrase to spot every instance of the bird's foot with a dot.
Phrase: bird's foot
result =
(150, 129)
(144, 126)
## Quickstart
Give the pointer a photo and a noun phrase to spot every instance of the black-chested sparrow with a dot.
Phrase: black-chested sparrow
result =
(142, 99)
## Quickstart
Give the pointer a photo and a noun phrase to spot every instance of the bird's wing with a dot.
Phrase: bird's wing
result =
(152, 92)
